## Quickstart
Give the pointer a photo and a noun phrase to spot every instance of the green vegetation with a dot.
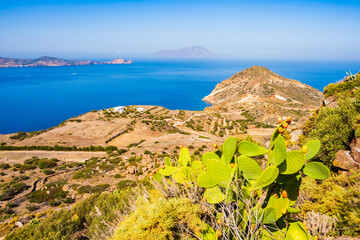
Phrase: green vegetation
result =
(349, 86)
(13, 188)
(233, 180)
(337, 126)
(162, 218)
(22, 135)
(337, 196)
(96, 213)
(51, 191)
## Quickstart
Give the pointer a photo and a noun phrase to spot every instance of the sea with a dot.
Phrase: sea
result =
(36, 98)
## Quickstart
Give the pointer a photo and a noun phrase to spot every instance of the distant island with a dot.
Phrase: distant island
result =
(45, 61)
(189, 52)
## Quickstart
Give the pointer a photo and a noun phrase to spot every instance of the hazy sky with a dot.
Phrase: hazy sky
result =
(242, 29)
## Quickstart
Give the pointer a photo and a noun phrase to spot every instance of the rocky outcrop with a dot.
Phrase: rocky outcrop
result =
(264, 94)
(348, 160)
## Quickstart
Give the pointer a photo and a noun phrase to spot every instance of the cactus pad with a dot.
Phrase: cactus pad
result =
(217, 173)
(184, 158)
(229, 149)
(167, 171)
(294, 162)
(297, 231)
(316, 170)
(214, 195)
(313, 149)
(278, 155)
(267, 177)
(167, 161)
(209, 155)
(250, 149)
(249, 167)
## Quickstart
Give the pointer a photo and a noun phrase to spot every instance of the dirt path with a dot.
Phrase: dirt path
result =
(13, 157)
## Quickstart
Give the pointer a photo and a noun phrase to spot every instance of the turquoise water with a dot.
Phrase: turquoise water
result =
(41, 97)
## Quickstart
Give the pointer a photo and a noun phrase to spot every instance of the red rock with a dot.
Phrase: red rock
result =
(344, 160)
(355, 150)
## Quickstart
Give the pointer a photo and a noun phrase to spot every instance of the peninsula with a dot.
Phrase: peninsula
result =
(45, 61)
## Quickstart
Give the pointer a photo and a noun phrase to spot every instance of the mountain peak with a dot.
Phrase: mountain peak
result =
(188, 52)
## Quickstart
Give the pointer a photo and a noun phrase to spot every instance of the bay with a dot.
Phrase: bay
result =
(38, 98)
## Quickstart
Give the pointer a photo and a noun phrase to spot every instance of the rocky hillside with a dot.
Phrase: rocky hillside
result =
(264, 94)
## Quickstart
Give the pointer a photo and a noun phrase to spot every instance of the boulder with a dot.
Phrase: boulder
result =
(355, 150)
(344, 160)
(295, 134)
(331, 102)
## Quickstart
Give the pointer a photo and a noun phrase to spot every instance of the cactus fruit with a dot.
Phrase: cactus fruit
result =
(281, 129)
(285, 124)
(288, 119)
(304, 149)
(215, 145)
(284, 194)
(279, 120)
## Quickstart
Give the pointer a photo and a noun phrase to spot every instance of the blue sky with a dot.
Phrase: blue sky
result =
(239, 29)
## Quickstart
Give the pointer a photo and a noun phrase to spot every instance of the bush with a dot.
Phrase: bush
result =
(11, 190)
(32, 208)
(335, 129)
(5, 166)
(161, 218)
(48, 172)
(55, 189)
(54, 203)
(126, 184)
(336, 196)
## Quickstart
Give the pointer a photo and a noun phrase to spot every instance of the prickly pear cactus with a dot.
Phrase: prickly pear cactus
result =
(234, 175)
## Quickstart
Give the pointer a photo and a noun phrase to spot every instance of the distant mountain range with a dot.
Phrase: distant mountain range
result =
(45, 61)
(189, 52)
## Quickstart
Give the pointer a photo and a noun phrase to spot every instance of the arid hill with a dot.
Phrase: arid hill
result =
(264, 95)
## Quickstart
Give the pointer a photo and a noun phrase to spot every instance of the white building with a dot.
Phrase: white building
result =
(119, 109)
(140, 110)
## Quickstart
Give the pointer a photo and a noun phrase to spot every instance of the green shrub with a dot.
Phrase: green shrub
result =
(126, 184)
(335, 129)
(50, 192)
(11, 190)
(336, 196)
(48, 171)
(92, 189)
(161, 218)
(5, 166)
(32, 208)
(54, 203)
